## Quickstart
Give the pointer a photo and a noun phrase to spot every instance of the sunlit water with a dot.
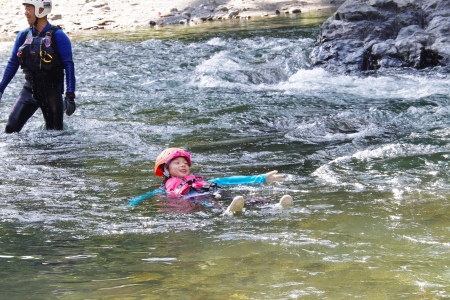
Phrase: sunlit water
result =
(366, 160)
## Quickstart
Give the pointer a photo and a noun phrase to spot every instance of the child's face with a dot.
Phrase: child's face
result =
(179, 167)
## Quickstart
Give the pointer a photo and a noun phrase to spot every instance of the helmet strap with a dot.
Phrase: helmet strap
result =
(166, 172)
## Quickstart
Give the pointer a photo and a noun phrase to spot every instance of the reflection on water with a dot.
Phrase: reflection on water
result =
(366, 160)
(207, 30)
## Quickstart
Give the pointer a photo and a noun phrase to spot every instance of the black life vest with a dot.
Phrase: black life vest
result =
(39, 58)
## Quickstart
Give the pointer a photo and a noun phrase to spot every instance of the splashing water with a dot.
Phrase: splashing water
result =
(366, 159)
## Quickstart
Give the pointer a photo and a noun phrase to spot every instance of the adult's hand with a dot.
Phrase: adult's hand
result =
(69, 103)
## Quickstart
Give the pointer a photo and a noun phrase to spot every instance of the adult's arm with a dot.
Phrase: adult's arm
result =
(65, 51)
(13, 62)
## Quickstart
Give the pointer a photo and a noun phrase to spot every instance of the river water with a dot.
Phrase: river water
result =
(366, 160)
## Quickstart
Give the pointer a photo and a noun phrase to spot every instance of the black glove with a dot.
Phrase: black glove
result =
(69, 103)
(1, 94)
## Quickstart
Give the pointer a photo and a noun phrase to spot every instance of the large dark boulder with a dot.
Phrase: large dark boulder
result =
(367, 35)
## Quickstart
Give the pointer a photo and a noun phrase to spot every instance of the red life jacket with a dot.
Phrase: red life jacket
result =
(176, 187)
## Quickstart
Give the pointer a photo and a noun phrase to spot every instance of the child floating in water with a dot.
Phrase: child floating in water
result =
(173, 164)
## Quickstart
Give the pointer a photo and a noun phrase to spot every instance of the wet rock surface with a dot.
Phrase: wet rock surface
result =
(365, 35)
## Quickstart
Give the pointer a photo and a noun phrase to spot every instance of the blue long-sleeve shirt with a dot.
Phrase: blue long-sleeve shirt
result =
(224, 181)
(238, 180)
(64, 48)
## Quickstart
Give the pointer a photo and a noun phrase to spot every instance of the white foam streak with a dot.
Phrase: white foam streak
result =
(382, 87)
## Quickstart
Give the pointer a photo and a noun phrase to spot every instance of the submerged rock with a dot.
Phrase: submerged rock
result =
(373, 34)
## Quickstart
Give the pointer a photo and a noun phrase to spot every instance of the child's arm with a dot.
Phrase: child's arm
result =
(146, 196)
(273, 176)
(254, 179)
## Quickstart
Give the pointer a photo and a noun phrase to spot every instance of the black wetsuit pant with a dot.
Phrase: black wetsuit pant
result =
(47, 97)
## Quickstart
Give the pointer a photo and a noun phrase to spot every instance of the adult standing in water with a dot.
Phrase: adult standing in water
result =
(44, 52)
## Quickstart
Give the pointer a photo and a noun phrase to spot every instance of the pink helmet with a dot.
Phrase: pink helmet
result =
(166, 156)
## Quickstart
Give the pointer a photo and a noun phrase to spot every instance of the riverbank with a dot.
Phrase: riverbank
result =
(84, 15)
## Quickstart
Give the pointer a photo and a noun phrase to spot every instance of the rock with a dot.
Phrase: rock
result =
(55, 17)
(372, 34)
(233, 13)
(222, 8)
(106, 22)
(98, 5)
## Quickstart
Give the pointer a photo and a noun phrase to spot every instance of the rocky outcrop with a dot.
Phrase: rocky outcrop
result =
(367, 35)
(213, 11)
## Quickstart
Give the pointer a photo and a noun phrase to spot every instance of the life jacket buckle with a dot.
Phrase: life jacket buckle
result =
(47, 58)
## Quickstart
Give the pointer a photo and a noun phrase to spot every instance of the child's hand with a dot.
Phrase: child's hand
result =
(274, 176)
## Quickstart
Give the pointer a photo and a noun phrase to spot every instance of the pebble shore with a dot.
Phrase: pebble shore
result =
(83, 15)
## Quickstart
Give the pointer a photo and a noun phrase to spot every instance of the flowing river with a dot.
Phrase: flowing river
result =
(366, 160)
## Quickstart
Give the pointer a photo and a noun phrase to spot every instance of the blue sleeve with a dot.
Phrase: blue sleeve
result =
(65, 51)
(237, 180)
(13, 63)
(141, 198)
